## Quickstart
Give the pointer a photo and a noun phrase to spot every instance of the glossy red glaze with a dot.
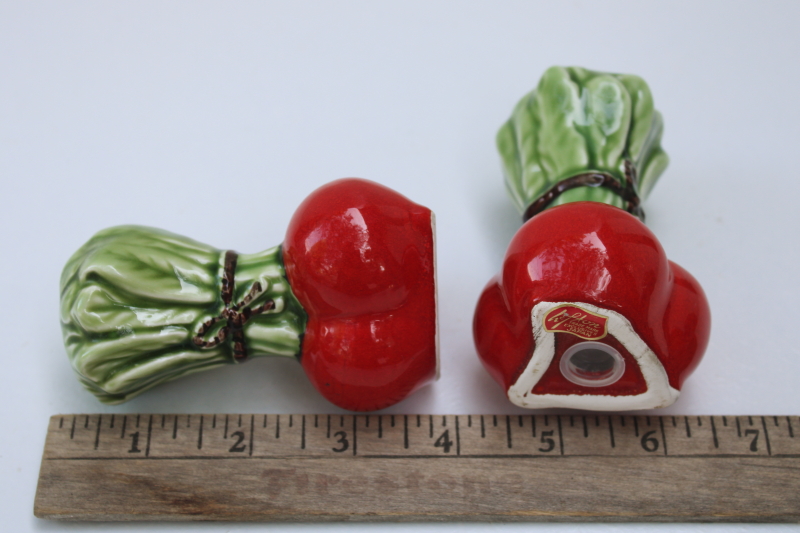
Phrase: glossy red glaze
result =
(597, 254)
(360, 259)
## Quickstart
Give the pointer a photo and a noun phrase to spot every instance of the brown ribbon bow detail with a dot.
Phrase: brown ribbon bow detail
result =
(235, 318)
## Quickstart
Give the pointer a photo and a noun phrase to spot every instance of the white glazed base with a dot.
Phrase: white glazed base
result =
(436, 296)
(659, 392)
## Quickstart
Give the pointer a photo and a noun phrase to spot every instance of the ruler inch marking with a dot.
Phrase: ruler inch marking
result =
(499, 456)
(766, 436)
(97, 433)
(225, 435)
(508, 431)
(611, 432)
(714, 431)
(663, 434)
(738, 428)
(124, 423)
(252, 431)
(560, 437)
(200, 435)
(149, 433)
(458, 438)
(175, 428)
(355, 435)
(789, 424)
(405, 432)
(688, 431)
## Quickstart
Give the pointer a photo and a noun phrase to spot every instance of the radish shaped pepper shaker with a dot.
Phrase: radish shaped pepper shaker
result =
(351, 293)
(587, 311)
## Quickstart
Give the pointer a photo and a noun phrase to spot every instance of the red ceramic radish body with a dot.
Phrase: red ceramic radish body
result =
(582, 274)
(587, 311)
(351, 293)
(360, 258)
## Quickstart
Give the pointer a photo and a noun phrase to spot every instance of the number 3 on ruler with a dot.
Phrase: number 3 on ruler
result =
(342, 440)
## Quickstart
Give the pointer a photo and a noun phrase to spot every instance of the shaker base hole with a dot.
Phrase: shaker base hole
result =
(592, 364)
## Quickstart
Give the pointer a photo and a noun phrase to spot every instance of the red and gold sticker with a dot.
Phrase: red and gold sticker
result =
(577, 321)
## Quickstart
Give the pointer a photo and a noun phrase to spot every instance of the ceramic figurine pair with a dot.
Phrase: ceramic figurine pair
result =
(587, 311)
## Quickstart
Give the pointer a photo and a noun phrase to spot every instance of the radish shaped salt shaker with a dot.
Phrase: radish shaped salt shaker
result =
(587, 311)
(350, 293)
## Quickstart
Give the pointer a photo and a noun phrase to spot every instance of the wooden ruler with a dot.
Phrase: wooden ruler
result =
(420, 467)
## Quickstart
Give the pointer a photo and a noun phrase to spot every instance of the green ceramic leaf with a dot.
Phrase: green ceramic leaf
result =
(97, 309)
(578, 121)
(133, 299)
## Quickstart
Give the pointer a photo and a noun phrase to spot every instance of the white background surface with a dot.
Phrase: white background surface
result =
(214, 120)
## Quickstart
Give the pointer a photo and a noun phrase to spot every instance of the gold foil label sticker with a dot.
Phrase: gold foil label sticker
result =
(577, 321)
